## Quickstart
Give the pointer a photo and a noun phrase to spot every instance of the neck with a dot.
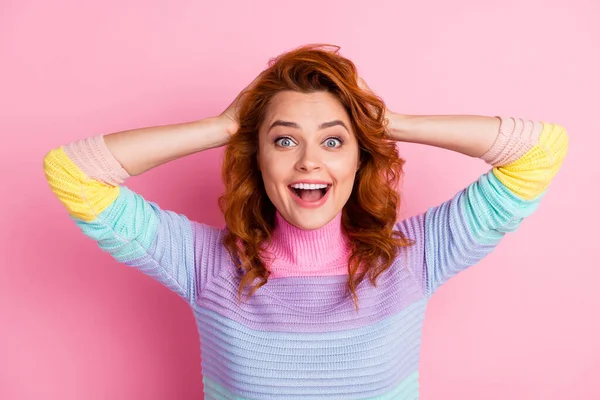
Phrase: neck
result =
(300, 252)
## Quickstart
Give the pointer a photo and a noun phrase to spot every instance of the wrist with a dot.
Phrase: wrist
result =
(225, 124)
(398, 125)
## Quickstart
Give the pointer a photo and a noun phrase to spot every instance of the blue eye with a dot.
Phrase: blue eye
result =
(333, 142)
(284, 142)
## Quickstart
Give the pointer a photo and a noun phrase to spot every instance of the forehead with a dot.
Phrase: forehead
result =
(310, 108)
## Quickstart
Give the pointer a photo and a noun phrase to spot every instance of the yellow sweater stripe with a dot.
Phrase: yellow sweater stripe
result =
(531, 174)
(83, 197)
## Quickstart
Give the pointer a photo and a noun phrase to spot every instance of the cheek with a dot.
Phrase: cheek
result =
(272, 168)
(343, 169)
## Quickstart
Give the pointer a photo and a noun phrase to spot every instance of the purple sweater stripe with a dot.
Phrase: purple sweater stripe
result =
(343, 362)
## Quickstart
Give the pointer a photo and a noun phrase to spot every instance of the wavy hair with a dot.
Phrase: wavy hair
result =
(370, 213)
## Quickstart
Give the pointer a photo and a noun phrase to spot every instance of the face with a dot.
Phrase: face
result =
(308, 157)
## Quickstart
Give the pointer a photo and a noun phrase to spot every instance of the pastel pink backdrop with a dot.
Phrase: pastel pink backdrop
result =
(74, 324)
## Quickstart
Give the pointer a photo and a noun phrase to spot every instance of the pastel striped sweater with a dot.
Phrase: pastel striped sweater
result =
(299, 336)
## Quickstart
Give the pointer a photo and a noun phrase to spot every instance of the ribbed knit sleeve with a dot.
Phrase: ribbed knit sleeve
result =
(164, 245)
(461, 231)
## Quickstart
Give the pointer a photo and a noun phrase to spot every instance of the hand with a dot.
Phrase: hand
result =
(363, 85)
(392, 120)
(230, 117)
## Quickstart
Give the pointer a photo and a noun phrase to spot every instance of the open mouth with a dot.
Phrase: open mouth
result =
(309, 192)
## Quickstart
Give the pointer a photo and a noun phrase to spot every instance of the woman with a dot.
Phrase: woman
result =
(310, 204)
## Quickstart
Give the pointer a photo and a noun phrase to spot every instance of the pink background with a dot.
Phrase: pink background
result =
(74, 324)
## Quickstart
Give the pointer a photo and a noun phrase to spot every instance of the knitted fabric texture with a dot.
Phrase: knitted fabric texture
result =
(299, 336)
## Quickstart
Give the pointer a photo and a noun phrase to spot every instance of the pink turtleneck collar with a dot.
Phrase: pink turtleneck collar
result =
(299, 252)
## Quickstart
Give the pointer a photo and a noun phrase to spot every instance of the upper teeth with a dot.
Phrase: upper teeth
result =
(309, 186)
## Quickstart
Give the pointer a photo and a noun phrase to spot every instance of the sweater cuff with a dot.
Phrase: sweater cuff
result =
(93, 157)
(516, 137)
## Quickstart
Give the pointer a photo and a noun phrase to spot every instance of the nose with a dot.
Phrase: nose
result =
(308, 161)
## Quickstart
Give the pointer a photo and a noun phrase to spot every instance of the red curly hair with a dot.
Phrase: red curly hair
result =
(369, 215)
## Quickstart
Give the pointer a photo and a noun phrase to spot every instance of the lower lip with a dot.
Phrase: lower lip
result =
(310, 204)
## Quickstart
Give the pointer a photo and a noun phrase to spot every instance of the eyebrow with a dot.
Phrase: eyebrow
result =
(324, 125)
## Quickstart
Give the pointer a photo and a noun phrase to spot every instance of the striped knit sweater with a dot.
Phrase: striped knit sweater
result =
(299, 336)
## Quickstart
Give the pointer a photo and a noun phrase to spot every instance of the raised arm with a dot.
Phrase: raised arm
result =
(139, 150)
(525, 156)
(87, 176)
